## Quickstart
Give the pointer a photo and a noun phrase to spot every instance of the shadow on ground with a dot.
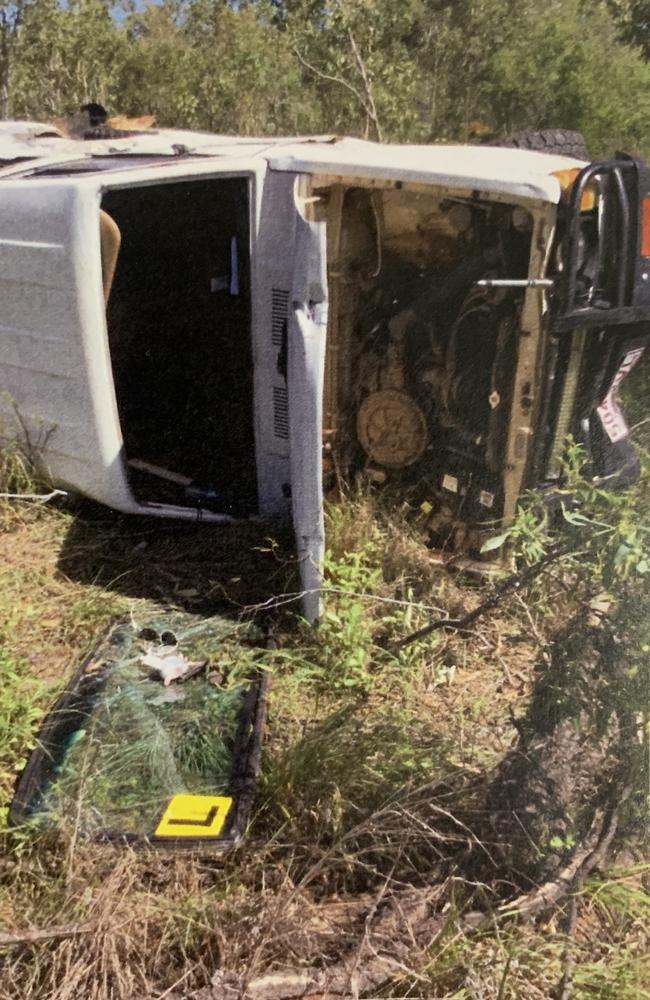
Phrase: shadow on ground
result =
(577, 749)
(203, 568)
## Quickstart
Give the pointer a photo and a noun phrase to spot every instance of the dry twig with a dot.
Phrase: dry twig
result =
(38, 935)
(39, 497)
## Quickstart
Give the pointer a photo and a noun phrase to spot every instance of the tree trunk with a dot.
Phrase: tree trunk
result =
(4, 72)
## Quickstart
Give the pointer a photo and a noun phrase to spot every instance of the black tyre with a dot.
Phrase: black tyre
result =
(552, 140)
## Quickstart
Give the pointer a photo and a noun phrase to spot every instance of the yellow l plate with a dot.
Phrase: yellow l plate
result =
(195, 816)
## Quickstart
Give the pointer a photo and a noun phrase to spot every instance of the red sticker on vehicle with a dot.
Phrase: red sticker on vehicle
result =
(609, 411)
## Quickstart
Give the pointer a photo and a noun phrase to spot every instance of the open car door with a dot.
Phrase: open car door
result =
(306, 339)
(55, 366)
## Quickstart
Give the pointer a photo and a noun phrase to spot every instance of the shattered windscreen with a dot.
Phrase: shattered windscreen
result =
(154, 738)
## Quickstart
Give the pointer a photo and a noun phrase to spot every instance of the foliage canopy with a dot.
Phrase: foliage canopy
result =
(420, 70)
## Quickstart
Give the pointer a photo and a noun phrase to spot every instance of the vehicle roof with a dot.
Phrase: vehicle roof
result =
(28, 147)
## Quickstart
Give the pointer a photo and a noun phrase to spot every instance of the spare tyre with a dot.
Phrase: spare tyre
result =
(552, 140)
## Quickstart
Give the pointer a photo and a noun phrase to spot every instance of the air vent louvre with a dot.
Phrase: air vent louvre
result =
(281, 412)
(279, 306)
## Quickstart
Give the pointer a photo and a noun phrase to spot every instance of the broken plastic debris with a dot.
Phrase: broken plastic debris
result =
(170, 665)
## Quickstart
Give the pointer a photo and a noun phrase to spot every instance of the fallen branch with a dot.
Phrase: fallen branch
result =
(38, 935)
(584, 861)
(514, 582)
(403, 932)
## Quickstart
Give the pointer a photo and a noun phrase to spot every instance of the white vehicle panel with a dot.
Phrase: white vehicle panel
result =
(54, 367)
(515, 174)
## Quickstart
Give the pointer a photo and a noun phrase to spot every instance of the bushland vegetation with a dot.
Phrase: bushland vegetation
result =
(420, 70)
(465, 816)
(461, 817)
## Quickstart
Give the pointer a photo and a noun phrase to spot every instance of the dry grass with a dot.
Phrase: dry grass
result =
(366, 793)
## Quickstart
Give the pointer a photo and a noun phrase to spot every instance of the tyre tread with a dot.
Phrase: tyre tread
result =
(563, 142)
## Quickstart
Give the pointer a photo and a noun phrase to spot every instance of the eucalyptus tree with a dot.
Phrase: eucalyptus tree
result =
(12, 13)
(65, 56)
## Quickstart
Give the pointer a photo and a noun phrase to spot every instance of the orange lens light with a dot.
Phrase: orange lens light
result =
(645, 228)
(567, 178)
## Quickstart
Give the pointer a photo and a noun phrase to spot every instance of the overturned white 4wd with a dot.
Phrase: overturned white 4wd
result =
(202, 326)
